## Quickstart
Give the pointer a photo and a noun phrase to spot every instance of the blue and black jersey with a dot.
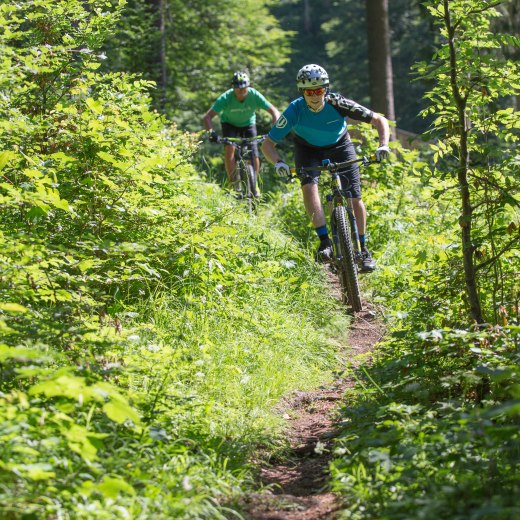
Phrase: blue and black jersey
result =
(319, 129)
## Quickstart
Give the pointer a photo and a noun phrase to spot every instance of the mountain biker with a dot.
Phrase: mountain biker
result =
(318, 120)
(237, 110)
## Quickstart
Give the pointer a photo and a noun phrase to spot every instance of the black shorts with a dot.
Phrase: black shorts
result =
(343, 150)
(229, 130)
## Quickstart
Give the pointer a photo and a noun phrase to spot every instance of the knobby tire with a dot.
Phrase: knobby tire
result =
(251, 181)
(347, 267)
(243, 180)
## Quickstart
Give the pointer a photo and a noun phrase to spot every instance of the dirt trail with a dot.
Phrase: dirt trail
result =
(299, 483)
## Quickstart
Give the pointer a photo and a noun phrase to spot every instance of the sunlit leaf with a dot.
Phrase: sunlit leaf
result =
(13, 307)
(111, 487)
(119, 411)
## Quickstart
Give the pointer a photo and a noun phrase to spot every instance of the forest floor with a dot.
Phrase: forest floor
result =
(297, 485)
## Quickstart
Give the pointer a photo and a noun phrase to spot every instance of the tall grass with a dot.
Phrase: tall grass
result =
(208, 362)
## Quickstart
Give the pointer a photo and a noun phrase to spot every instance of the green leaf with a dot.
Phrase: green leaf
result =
(85, 265)
(18, 353)
(106, 157)
(26, 450)
(79, 441)
(110, 487)
(63, 385)
(5, 157)
(119, 411)
(36, 212)
(38, 471)
(13, 307)
(94, 105)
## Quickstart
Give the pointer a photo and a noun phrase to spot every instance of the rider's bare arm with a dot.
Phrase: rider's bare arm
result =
(274, 113)
(383, 129)
(270, 152)
(207, 119)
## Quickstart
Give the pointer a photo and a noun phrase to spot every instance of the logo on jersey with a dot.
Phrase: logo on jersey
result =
(282, 122)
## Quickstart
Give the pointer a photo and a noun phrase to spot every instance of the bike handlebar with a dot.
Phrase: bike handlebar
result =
(333, 167)
(241, 140)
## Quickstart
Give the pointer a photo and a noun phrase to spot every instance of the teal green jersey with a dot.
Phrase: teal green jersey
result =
(237, 113)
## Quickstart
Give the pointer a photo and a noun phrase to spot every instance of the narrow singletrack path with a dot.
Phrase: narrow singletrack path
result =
(298, 484)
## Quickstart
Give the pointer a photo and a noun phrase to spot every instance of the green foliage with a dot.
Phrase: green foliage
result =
(147, 324)
(430, 429)
(202, 44)
(477, 129)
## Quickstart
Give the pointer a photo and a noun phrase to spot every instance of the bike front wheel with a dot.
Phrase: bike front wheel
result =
(250, 187)
(347, 262)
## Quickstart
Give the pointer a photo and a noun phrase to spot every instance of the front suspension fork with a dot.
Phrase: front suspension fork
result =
(352, 220)
(353, 225)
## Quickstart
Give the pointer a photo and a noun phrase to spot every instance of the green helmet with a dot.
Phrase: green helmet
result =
(240, 80)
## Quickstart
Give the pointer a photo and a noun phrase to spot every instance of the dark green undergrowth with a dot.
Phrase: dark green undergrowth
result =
(430, 429)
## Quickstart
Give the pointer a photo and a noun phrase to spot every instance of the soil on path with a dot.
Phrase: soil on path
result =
(298, 485)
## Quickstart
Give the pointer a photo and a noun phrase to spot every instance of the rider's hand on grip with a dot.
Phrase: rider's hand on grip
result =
(382, 153)
(282, 169)
(213, 136)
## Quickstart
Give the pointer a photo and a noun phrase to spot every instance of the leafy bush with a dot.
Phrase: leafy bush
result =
(431, 428)
(147, 324)
(435, 432)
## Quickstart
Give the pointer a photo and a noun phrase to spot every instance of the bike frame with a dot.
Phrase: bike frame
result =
(242, 146)
(339, 195)
(339, 202)
(245, 172)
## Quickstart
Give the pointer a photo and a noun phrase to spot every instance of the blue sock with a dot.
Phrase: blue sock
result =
(322, 232)
(362, 240)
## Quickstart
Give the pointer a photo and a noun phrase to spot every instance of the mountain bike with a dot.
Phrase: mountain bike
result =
(343, 226)
(246, 177)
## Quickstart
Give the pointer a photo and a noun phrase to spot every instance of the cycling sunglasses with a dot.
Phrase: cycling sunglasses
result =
(314, 91)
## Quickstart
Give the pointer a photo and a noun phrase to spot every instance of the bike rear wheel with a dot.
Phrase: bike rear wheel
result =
(347, 263)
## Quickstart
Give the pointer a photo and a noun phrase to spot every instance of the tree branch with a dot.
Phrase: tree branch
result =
(506, 248)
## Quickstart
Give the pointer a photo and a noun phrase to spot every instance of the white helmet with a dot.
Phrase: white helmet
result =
(312, 76)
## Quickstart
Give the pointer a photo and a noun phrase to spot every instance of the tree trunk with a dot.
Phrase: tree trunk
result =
(160, 7)
(380, 75)
(466, 218)
(307, 20)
